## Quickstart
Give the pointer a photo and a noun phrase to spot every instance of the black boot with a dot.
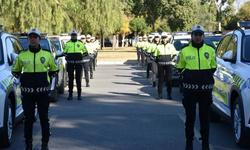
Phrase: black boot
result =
(87, 83)
(29, 145)
(154, 84)
(91, 76)
(205, 146)
(70, 96)
(159, 96)
(79, 95)
(189, 146)
(44, 146)
(169, 96)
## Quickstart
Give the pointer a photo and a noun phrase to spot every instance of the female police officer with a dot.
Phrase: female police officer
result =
(75, 51)
(35, 86)
(164, 52)
(197, 63)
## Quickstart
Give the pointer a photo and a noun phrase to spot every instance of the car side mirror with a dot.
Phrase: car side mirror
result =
(13, 57)
(59, 54)
(228, 56)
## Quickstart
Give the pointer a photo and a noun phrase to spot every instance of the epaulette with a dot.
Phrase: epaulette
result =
(185, 46)
(79, 41)
(209, 45)
(46, 50)
(68, 41)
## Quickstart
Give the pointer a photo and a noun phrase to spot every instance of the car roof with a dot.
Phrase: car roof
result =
(182, 37)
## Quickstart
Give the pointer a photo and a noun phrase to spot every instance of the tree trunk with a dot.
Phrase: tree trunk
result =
(117, 40)
(123, 38)
(103, 42)
(114, 41)
(219, 19)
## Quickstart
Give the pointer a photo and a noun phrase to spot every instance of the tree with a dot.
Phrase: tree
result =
(182, 15)
(125, 29)
(138, 25)
(244, 12)
(219, 4)
(150, 9)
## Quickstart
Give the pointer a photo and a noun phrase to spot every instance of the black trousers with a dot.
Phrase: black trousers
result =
(94, 62)
(142, 56)
(154, 70)
(85, 66)
(78, 75)
(28, 103)
(189, 101)
(149, 65)
(91, 65)
(165, 70)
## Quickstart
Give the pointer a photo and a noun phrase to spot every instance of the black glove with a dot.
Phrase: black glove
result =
(16, 74)
(52, 74)
(85, 54)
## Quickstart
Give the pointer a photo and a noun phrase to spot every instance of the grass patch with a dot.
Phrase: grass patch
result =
(119, 53)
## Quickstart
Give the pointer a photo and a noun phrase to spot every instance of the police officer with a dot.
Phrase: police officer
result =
(35, 86)
(164, 53)
(197, 63)
(140, 54)
(96, 47)
(90, 47)
(148, 53)
(152, 48)
(86, 60)
(75, 51)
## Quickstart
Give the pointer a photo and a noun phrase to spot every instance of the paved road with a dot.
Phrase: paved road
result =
(119, 112)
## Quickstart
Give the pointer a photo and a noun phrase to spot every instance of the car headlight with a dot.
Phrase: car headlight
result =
(248, 83)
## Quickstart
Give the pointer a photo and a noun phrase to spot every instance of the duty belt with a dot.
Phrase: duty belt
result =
(77, 61)
(37, 90)
(195, 86)
(166, 63)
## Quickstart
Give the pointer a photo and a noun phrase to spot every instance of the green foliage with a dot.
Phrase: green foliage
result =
(182, 15)
(138, 25)
(244, 12)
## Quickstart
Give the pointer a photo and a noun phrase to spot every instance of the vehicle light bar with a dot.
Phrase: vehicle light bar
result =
(243, 24)
(64, 34)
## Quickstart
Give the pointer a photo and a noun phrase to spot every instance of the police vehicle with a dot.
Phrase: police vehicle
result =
(63, 77)
(231, 93)
(179, 39)
(47, 44)
(11, 111)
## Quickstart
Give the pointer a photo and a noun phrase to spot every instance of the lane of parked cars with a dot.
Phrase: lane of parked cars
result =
(231, 94)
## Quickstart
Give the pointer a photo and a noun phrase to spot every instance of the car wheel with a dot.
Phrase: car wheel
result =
(61, 87)
(241, 139)
(6, 137)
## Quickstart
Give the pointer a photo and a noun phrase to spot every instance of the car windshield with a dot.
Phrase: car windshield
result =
(1, 53)
(57, 44)
(212, 40)
(43, 43)
(246, 49)
(179, 43)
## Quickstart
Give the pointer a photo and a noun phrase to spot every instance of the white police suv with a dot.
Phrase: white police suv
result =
(231, 94)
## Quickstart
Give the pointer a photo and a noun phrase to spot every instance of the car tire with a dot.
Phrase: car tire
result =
(6, 137)
(214, 117)
(61, 87)
(240, 137)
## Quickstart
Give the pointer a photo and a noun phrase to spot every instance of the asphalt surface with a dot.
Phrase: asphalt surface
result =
(119, 112)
